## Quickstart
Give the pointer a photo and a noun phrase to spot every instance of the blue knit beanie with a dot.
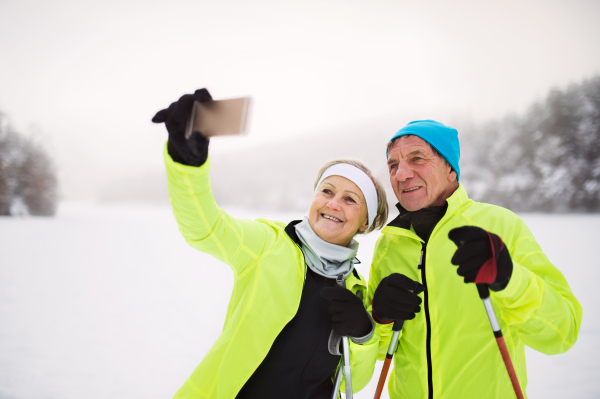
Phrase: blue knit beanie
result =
(441, 137)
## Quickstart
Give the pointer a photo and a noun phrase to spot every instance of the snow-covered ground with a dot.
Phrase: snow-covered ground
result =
(110, 302)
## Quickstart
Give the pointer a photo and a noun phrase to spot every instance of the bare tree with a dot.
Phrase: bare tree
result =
(27, 175)
(546, 160)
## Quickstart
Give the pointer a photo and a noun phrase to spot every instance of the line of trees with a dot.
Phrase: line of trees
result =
(28, 183)
(547, 160)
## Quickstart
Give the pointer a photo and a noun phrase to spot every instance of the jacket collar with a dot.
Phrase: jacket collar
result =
(402, 227)
(456, 201)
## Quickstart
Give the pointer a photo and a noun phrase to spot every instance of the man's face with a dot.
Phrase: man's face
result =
(420, 178)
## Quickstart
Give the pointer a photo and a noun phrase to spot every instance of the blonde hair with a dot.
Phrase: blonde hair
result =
(382, 205)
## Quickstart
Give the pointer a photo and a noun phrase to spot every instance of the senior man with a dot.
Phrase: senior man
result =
(447, 349)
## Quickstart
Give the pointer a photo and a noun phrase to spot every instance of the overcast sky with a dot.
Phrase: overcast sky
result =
(89, 75)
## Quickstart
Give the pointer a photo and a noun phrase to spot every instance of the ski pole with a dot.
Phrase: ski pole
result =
(338, 383)
(345, 358)
(484, 294)
(388, 357)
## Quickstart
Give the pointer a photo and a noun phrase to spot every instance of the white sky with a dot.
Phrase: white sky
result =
(90, 74)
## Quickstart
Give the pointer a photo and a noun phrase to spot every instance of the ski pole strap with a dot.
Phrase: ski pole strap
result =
(488, 272)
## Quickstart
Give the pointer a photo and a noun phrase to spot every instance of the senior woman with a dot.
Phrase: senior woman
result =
(286, 314)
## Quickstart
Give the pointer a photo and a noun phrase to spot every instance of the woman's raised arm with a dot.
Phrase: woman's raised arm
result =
(205, 226)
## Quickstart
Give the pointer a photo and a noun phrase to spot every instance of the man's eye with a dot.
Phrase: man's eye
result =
(393, 166)
(417, 158)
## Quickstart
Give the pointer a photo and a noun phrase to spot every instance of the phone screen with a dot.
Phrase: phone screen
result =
(218, 118)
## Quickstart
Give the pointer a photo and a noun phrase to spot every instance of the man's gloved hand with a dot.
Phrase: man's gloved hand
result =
(194, 150)
(482, 257)
(396, 298)
(348, 314)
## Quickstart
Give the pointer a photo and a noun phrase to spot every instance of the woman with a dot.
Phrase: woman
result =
(286, 314)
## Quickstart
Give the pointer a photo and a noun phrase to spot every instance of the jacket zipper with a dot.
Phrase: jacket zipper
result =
(427, 321)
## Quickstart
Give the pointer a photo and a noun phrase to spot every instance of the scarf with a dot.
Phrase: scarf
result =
(324, 258)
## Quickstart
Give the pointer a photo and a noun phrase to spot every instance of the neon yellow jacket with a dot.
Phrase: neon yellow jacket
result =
(537, 308)
(265, 296)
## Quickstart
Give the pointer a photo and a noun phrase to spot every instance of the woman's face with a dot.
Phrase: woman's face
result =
(338, 210)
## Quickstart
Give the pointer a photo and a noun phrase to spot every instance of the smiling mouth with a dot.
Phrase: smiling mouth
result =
(410, 190)
(331, 218)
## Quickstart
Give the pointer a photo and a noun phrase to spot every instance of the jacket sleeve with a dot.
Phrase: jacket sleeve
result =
(206, 227)
(537, 302)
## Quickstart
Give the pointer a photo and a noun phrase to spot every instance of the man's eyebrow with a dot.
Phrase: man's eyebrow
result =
(415, 152)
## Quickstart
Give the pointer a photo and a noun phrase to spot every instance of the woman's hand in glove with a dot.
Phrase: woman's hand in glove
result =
(194, 150)
(348, 314)
(396, 298)
(481, 257)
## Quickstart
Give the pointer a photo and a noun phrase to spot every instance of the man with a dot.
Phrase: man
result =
(447, 349)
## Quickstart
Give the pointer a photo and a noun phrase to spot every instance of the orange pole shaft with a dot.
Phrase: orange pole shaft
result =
(382, 377)
(509, 367)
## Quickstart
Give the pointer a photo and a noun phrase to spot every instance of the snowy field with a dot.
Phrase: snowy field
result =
(110, 302)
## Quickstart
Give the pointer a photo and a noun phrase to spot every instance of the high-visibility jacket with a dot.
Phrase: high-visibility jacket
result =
(269, 272)
(449, 350)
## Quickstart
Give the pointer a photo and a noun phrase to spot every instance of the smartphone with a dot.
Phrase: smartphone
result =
(219, 118)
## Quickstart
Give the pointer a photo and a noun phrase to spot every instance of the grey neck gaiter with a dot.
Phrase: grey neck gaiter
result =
(325, 258)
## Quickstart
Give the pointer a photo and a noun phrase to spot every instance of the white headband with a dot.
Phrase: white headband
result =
(359, 178)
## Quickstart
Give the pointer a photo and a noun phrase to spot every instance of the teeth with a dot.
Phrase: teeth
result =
(411, 189)
(331, 218)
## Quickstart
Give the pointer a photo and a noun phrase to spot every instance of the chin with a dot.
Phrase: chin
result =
(411, 207)
(329, 237)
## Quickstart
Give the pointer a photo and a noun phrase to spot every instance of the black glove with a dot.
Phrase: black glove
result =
(396, 298)
(348, 314)
(482, 257)
(194, 150)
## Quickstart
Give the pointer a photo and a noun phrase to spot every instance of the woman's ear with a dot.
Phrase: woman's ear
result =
(364, 227)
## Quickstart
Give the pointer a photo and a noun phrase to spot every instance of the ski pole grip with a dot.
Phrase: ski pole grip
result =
(398, 325)
(484, 291)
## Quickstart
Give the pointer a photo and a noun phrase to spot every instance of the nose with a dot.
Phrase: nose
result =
(404, 172)
(334, 204)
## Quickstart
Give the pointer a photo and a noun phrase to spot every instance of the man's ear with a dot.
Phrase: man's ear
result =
(452, 175)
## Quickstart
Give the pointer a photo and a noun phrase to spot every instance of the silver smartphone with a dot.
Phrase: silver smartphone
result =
(219, 118)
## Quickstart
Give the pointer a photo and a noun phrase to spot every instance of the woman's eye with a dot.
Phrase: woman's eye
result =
(327, 191)
(350, 199)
